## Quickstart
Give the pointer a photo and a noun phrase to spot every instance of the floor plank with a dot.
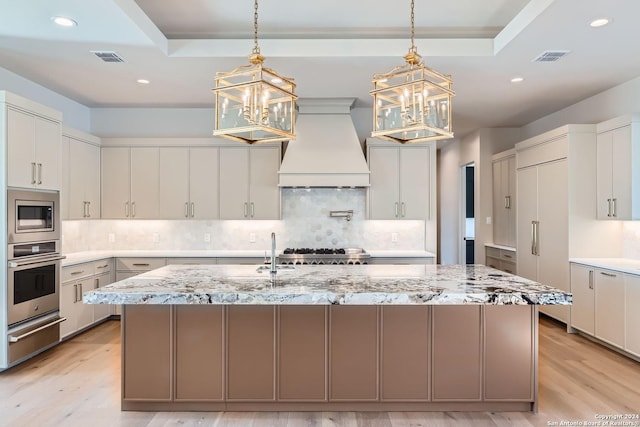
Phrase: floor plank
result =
(78, 384)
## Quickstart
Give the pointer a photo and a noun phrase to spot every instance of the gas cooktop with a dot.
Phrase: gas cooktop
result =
(323, 256)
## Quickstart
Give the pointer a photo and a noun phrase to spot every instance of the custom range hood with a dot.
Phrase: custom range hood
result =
(326, 151)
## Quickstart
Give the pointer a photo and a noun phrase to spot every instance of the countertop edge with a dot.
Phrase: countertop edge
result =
(622, 265)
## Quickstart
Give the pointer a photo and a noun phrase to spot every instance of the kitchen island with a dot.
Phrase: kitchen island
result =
(327, 338)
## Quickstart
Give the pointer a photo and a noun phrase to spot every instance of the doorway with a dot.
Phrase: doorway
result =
(467, 218)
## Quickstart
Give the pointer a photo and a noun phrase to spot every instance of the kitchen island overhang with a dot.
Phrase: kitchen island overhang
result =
(371, 337)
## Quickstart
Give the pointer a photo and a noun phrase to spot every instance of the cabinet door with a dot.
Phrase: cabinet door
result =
(115, 170)
(251, 352)
(302, 348)
(64, 178)
(553, 237)
(145, 185)
(174, 183)
(234, 183)
(353, 353)
(510, 216)
(92, 180)
(456, 352)
(68, 299)
(47, 153)
(622, 179)
(508, 352)
(609, 307)
(204, 182)
(632, 314)
(405, 352)
(264, 197)
(199, 343)
(383, 193)
(84, 311)
(582, 288)
(499, 211)
(21, 154)
(527, 212)
(415, 178)
(84, 177)
(604, 168)
(101, 311)
(146, 362)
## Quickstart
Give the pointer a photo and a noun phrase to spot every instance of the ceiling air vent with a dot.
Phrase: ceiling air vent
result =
(108, 56)
(551, 55)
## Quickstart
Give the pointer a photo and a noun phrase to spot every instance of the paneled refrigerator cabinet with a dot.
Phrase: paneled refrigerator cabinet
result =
(556, 218)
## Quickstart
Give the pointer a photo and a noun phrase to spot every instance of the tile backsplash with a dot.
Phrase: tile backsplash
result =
(305, 223)
(631, 240)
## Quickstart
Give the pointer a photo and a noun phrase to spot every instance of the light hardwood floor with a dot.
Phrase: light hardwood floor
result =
(78, 384)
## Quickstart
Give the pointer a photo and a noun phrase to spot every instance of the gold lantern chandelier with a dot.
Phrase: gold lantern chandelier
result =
(412, 103)
(254, 103)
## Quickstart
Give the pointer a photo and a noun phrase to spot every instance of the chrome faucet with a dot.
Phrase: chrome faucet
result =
(273, 269)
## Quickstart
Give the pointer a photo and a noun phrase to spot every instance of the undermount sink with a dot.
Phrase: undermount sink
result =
(262, 268)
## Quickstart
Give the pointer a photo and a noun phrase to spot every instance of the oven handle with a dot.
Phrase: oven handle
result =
(14, 264)
(48, 325)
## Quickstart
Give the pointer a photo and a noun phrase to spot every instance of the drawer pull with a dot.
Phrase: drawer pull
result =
(608, 274)
(73, 273)
(102, 266)
(141, 264)
(506, 256)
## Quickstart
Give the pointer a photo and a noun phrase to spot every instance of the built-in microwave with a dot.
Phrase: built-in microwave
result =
(32, 216)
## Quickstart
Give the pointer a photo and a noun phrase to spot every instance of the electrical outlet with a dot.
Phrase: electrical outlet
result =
(252, 237)
(112, 237)
(207, 237)
(156, 238)
(394, 237)
(488, 220)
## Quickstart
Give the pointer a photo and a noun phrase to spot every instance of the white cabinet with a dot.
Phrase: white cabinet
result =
(632, 314)
(83, 160)
(609, 307)
(501, 258)
(504, 199)
(249, 182)
(33, 150)
(130, 182)
(189, 182)
(400, 181)
(583, 290)
(618, 169)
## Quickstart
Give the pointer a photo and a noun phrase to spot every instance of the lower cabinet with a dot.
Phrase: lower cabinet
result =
(501, 259)
(609, 307)
(632, 314)
(583, 305)
(190, 357)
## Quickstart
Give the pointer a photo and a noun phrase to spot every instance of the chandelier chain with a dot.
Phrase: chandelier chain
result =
(256, 48)
(413, 45)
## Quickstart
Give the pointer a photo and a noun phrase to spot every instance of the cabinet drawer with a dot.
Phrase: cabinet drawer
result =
(492, 252)
(139, 264)
(243, 260)
(77, 271)
(103, 266)
(508, 267)
(507, 255)
(191, 261)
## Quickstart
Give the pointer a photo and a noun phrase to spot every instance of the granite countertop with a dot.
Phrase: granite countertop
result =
(88, 256)
(623, 265)
(323, 285)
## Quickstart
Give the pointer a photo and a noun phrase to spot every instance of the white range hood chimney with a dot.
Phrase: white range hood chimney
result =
(326, 152)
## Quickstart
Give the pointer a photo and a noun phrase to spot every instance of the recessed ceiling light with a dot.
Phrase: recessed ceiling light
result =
(63, 21)
(517, 79)
(600, 22)
(143, 81)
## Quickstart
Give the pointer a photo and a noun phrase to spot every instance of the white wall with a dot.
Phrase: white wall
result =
(75, 114)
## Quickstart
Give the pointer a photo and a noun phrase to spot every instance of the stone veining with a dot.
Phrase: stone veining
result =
(323, 285)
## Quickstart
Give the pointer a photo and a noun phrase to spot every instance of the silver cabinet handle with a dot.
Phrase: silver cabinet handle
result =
(33, 172)
(538, 238)
(88, 209)
(507, 202)
(608, 274)
(193, 209)
(73, 273)
(396, 209)
(253, 209)
(75, 294)
(609, 207)
(102, 266)
(97, 283)
(79, 292)
(613, 211)
(506, 256)
(84, 209)
(245, 209)
(590, 279)
(403, 210)
(126, 209)
(535, 250)
(48, 325)
(39, 173)
(133, 209)
(141, 264)
(186, 209)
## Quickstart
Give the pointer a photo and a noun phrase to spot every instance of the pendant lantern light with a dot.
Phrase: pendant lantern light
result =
(253, 103)
(412, 103)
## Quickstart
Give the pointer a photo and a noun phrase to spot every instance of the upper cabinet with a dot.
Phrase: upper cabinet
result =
(130, 177)
(249, 182)
(504, 198)
(189, 182)
(400, 180)
(33, 134)
(81, 176)
(618, 168)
